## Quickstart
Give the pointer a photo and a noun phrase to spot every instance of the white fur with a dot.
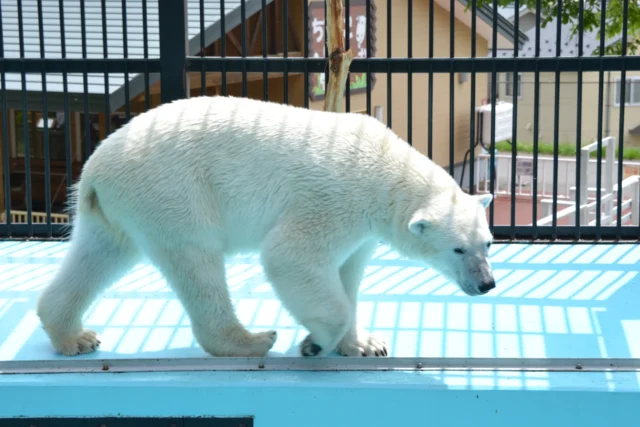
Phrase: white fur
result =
(193, 181)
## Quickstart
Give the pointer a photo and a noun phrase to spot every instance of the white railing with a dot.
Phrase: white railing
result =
(588, 205)
(20, 217)
(524, 187)
(566, 181)
(630, 207)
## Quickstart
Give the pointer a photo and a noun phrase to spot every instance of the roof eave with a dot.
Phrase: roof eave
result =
(505, 28)
(211, 33)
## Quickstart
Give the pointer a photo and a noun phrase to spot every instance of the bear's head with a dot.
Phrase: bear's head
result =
(452, 236)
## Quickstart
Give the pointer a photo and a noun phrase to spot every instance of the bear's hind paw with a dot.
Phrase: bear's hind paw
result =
(366, 345)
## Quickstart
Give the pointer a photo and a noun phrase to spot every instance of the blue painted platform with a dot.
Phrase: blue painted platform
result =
(555, 301)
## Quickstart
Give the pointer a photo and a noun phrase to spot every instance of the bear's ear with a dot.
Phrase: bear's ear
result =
(418, 224)
(485, 200)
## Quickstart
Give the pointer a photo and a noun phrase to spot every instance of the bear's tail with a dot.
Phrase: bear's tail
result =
(84, 203)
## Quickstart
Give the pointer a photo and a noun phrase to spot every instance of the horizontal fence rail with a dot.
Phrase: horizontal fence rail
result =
(419, 65)
(74, 71)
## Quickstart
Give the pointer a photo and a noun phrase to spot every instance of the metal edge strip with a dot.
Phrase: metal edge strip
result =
(65, 366)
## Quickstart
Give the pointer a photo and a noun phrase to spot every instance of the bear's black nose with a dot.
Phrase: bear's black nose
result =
(487, 286)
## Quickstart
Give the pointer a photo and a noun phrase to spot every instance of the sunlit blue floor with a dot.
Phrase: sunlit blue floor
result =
(559, 301)
(551, 301)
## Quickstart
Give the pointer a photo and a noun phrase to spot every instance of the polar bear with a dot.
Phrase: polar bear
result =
(312, 192)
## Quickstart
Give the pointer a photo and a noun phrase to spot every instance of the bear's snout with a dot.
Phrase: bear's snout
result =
(486, 286)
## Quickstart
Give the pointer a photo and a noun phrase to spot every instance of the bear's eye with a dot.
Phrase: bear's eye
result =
(458, 251)
(489, 245)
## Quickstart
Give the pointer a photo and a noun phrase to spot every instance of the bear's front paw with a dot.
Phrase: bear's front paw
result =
(363, 345)
(84, 342)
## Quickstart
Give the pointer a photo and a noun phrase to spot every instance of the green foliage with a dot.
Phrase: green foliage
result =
(360, 82)
(564, 149)
(570, 14)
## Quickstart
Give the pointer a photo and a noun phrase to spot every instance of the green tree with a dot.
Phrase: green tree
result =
(592, 13)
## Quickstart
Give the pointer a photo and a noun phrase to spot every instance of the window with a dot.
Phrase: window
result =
(631, 91)
(509, 85)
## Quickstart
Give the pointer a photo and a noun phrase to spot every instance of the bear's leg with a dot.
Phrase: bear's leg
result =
(310, 288)
(197, 275)
(358, 342)
(96, 259)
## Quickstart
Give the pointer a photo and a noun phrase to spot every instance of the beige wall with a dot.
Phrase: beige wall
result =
(399, 101)
(567, 130)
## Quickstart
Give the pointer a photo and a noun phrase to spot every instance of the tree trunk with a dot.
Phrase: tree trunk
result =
(339, 60)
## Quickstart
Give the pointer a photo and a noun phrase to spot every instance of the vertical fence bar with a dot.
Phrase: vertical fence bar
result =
(410, 76)
(25, 124)
(305, 43)
(172, 16)
(603, 15)
(347, 46)
(5, 134)
(105, 53)
(430, 100)
(125, 52)
(472, 112)
(85, 83)
(578, 213)
(145, 47)
(325, 47)
(243, 42)
(494, 86)
(623, 77)
(223, 47)
(203, 73)
(389, 81)
(556, 127)
(67, 114)
(265, 75)
(285, 48)
(536, 116)
(45, 125)
(85, 80)
(369, 39)
(347, 41)
(452, 49)
(514, 124)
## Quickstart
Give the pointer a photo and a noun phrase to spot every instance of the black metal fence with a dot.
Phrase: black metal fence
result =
(192, 41)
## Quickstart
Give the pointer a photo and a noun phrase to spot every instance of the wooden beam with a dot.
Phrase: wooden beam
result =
(138, 105)
(234, 41)
(76, 136)
(274, 28)
(102, 125)
(296, 40)
(256, 33)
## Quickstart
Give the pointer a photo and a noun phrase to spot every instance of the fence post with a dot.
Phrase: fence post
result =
(584, 186)
(635, 203)
(173, 49)
(609, 176)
